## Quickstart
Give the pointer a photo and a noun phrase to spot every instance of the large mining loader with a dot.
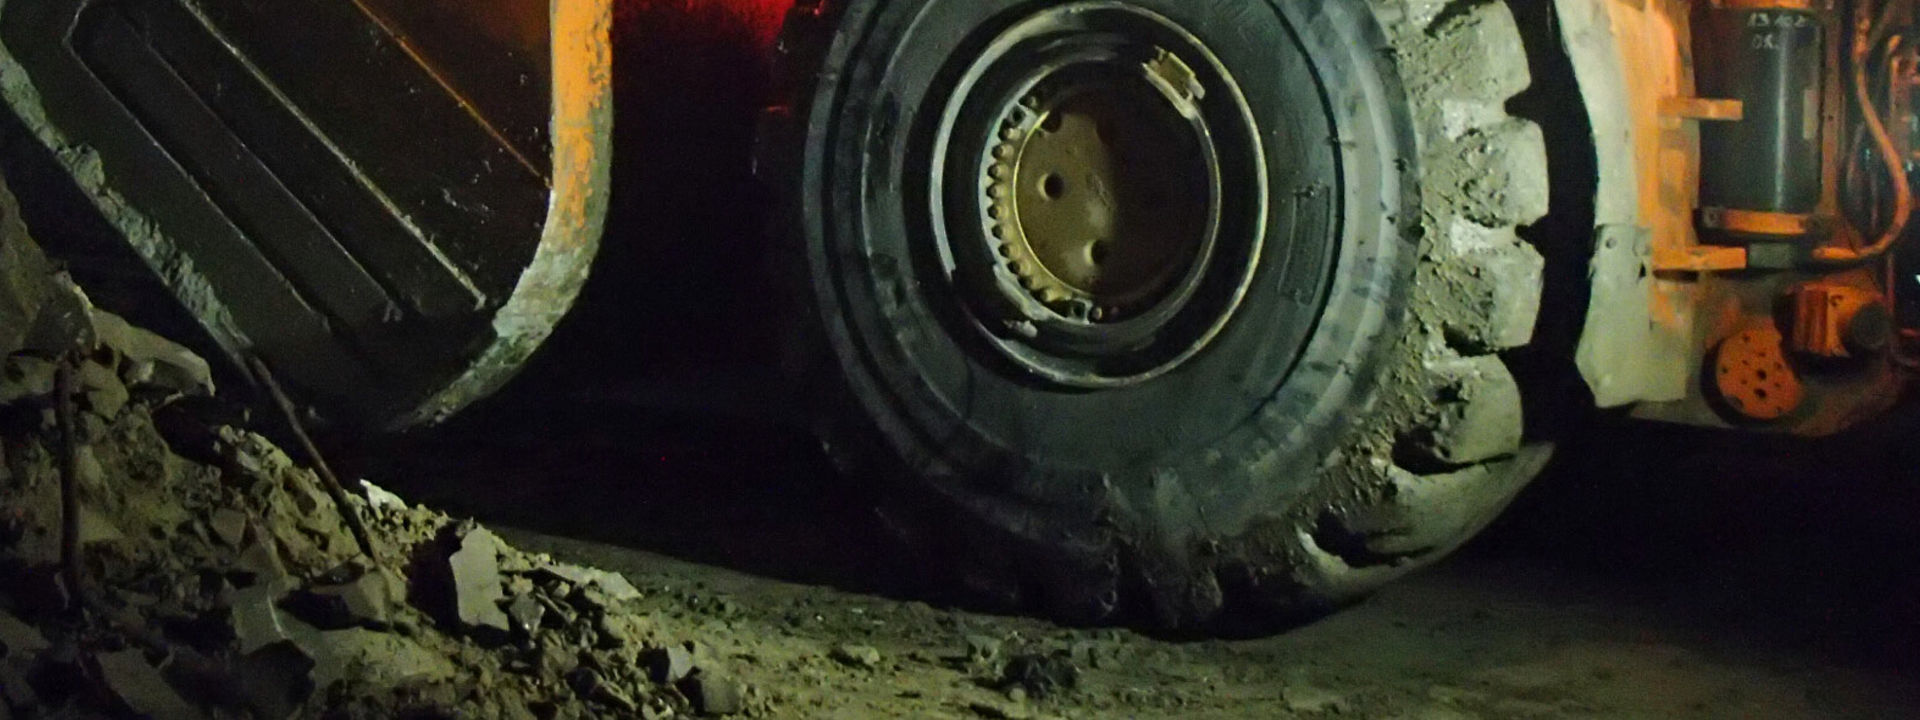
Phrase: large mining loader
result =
(1178, 311)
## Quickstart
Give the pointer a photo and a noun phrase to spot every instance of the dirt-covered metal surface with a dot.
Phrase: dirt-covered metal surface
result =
(297, 218)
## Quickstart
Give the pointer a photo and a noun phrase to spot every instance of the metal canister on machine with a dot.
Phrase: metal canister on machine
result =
(1760, 178)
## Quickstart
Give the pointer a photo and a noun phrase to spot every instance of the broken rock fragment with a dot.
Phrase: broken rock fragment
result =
(25, 278)
(141, 688)
(19, 640)
(590, 684)
(526, 614)
(262, 562)
(613, 584)
(378, 658)
(24, 377)
(104, 392)
(364, 601)
(1041, 674)
(275, 680)
(983, 650)
(153, 361)
(95, 528)
(229, 525)
(1308, 699)
(475, 568)
(668, 665)
(382, 499)
(248, 586)
(860, 656)
(15, 691)
(715, 694)
(257, 623)
(64, 322)
(618, 630)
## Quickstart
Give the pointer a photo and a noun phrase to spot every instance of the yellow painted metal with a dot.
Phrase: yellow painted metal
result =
(1102, 199)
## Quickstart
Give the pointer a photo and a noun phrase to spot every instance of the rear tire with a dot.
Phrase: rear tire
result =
(1325, 411)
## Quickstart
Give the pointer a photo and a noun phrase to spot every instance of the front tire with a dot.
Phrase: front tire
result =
(1273, 390)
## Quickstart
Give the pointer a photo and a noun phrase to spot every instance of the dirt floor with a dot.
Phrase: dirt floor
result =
(1734, 586)
(220, 582)
(1469, 640)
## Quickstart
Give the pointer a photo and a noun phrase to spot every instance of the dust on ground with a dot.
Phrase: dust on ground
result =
(1473, 640)
(740, 535)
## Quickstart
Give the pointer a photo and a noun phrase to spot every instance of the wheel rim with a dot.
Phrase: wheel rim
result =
(1090, 230)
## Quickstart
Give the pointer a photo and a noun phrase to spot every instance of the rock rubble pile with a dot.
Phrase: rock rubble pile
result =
(216, 578)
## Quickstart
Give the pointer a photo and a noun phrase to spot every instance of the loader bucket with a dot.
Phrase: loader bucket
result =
(387, 202)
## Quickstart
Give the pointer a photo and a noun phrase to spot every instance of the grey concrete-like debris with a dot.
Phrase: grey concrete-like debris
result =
(364, 601)
(668, 665)
(1088, 653)
(257, 622)
(64, 322)
(86, 464)
(24, 273)
(104, 392)
(526, 613)
(19, 639)
(613, 584)
(24, 377)
(229, 525)
(141, 687)
(715, 694)
(153, 361)
(476, 581)
(96, 528)
(1312, 700)
(380, 499)
(263, 561)
(15, 691)
(590, 684)
(1000, 711)
(1041, 674)
(619, 630)
(381, 659)
(557, 657)
(861, 656)
(276, 680)
(983, 649)
(373, 596)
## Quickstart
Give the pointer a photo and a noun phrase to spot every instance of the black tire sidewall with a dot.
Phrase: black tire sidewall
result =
(1252, 419)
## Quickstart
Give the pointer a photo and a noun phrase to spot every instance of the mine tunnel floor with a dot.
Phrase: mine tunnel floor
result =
(1472, 639)
(1702, 583)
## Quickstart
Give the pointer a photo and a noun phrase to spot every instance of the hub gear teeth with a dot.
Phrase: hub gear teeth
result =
(1000, 188)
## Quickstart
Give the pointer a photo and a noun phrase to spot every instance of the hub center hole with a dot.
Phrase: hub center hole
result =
(1053, 186)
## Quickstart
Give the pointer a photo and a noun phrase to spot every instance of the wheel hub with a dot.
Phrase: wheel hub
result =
(1100, 193)
(1104, 195)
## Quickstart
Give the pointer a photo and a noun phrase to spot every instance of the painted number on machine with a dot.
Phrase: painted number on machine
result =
(1777, 21)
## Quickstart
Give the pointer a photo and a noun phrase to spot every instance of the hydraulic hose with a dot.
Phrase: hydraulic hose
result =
(1867, 31)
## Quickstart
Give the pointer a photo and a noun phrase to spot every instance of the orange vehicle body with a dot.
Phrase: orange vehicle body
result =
(1685, 325)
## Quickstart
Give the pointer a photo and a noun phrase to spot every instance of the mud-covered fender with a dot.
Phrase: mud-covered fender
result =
(1626, 56)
